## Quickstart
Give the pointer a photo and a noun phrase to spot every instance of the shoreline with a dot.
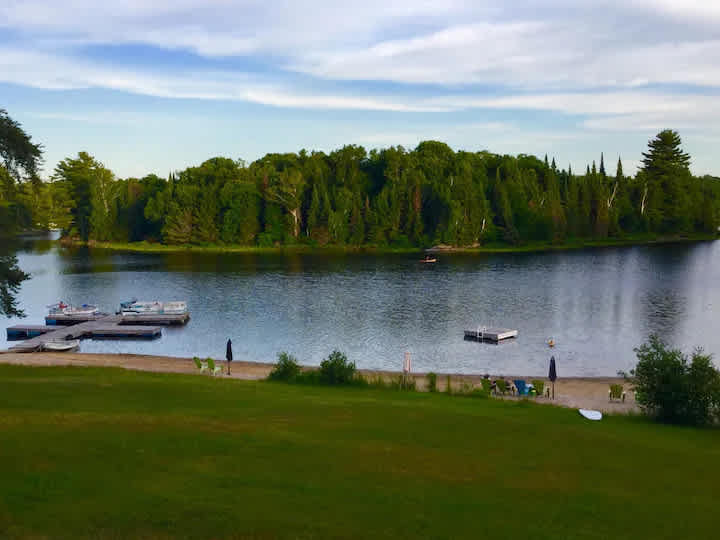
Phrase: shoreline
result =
(150, 247)
(573, 392)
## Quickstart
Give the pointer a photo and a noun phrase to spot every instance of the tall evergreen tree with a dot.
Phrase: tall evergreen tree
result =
(666, 169)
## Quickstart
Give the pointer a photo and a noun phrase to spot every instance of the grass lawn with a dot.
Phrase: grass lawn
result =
(108, 453)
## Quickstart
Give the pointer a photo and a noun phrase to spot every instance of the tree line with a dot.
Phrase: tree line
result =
(391, 197)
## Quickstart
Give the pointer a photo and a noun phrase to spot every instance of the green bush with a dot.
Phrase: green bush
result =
(286, 369)
(403, 382)
(432, 382)
(672, 389)
(466, 388)
(539, 386)
(265, 240)
(336, 369)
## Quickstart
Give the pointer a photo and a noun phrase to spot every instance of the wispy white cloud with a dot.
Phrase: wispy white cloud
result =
(42, 70)
(607, 65)
(625, 109)
(550, 54)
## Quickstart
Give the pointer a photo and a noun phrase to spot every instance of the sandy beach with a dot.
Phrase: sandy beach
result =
(575, 392)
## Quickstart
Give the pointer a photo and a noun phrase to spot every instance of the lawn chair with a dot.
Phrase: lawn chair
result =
(616, 392)
(202, 366)
(214, 370)
(521, 387)
(539, 387)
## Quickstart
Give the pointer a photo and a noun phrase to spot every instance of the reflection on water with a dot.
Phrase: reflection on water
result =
(597, 304)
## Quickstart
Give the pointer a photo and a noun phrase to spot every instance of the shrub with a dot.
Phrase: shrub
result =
(403, 382)
(286, 369)
(336, 369)
(466, 388)
(616, 391)
(671, 389)
(432, 382)
(539, 386)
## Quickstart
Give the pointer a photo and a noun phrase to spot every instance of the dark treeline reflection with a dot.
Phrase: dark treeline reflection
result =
(11, 277)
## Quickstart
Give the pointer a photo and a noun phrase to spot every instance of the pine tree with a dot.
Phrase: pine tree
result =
(602, 167)
(666, 169)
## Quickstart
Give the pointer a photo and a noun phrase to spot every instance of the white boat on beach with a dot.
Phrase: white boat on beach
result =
(61, 346)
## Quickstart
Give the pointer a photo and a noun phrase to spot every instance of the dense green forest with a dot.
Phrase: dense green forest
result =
(392, 197)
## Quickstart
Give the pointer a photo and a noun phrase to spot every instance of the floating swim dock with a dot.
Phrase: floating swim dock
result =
(495, 335)
(96, 326)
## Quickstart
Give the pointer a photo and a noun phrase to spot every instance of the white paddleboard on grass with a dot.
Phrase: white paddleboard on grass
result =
(591, 415)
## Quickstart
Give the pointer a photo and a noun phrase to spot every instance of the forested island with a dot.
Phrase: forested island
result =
(390, 198)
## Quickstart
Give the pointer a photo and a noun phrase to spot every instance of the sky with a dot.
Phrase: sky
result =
(156, 86)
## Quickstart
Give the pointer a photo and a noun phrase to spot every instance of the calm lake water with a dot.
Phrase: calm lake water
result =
(597, 304)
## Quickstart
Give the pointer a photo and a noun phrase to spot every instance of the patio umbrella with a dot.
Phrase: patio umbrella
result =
(228, 354)
(552, 375)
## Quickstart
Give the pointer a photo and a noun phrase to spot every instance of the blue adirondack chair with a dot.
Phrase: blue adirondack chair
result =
(521, 387)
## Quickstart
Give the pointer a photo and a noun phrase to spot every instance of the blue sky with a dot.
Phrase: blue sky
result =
(158, 86)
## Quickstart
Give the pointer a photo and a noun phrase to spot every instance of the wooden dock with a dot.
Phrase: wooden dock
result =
(158, 319)
(26, 331)
(161, 319)
(109, 326)
(126, 331)
(491, 334)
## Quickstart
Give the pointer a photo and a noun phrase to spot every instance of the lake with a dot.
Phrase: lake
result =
(597, 304)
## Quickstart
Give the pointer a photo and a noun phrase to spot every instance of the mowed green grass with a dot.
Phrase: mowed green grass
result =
(108, 453)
